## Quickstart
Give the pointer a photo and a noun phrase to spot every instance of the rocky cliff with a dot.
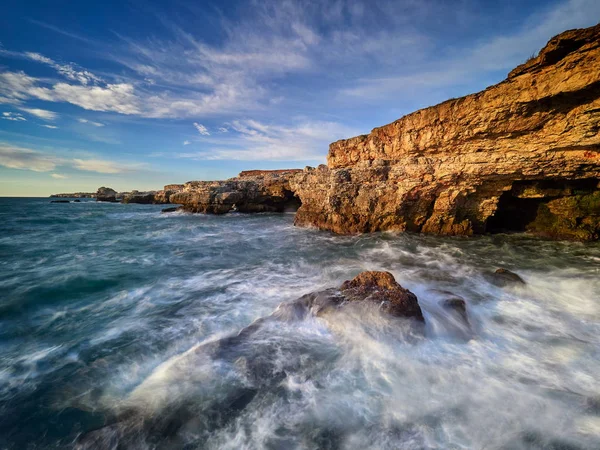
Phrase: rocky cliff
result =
(521, 155)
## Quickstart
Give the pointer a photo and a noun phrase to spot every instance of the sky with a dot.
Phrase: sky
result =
(138, 94)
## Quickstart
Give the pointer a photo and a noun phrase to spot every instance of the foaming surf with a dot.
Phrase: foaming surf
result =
(128, 328)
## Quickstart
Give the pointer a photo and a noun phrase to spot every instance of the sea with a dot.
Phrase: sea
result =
(122, 327)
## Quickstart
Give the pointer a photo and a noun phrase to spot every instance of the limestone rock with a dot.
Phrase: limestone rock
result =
(523, 155)
(252, 191)
(381, 288)
(105, 194)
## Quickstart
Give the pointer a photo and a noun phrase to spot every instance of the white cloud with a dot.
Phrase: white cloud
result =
(41, 113)
(17, 117)
(223, 130)
(102, 166)
(186, 142)
(59, 176)
(201, 129)
(119, 98)
(15, 157)
(91, 122)
(53, 127)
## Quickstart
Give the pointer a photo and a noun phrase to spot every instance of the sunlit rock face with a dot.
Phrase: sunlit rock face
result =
(523, 155)
(252, 191)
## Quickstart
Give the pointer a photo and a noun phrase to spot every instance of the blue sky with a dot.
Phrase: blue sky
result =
(138, 94)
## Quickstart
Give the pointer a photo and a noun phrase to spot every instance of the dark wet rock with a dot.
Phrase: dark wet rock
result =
(105, 194)
(592, 405)
(170, 210)
(382, 288)
(60, 201)
(76, 201)
(457, 306)
(504, 277)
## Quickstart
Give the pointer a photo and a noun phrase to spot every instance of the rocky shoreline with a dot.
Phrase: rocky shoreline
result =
(520, 156)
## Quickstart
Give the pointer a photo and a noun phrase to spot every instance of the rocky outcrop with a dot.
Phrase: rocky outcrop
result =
(523, 155)
(255, 191)
(105, 194)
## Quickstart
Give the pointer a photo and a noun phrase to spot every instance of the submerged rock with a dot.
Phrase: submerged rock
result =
(456, 305)
(170, 210)
(60, 201)
(504, 277)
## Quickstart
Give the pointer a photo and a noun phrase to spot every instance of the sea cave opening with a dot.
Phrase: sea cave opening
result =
(524, 204)
(513, 213)
(292, 202)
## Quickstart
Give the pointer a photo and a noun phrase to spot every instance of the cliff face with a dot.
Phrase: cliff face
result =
(252, 191)
(521, 155)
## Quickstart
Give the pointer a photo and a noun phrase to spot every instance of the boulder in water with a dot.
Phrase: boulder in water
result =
(382, 288)
(504, 277)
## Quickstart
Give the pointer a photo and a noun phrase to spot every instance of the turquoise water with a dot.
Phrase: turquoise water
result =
(116, 325)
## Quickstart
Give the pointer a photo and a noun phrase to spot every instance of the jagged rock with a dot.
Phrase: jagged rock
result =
(382, 288)
(504, 277)
(105, 194)
(255, 191)
(523, 155)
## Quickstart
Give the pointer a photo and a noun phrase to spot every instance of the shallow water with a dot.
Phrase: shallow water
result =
(114, 322)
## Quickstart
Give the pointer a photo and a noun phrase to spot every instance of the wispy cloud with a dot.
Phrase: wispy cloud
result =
(91, 122)
(53, 127)
(69, 71)
(58, 176)
(17, 157)
(101, 166)
(251, 140)
(41, 113)
(186, 142)
(201, 129)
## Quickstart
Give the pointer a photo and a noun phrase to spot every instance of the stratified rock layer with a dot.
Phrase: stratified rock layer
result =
(252, 191)
(523, 155)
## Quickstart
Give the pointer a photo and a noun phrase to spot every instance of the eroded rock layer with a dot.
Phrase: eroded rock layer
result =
(521, 155)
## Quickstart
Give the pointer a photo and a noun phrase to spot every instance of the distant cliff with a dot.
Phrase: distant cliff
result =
(521, 155)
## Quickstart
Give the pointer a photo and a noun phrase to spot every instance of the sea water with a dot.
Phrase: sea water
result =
(109, 312)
